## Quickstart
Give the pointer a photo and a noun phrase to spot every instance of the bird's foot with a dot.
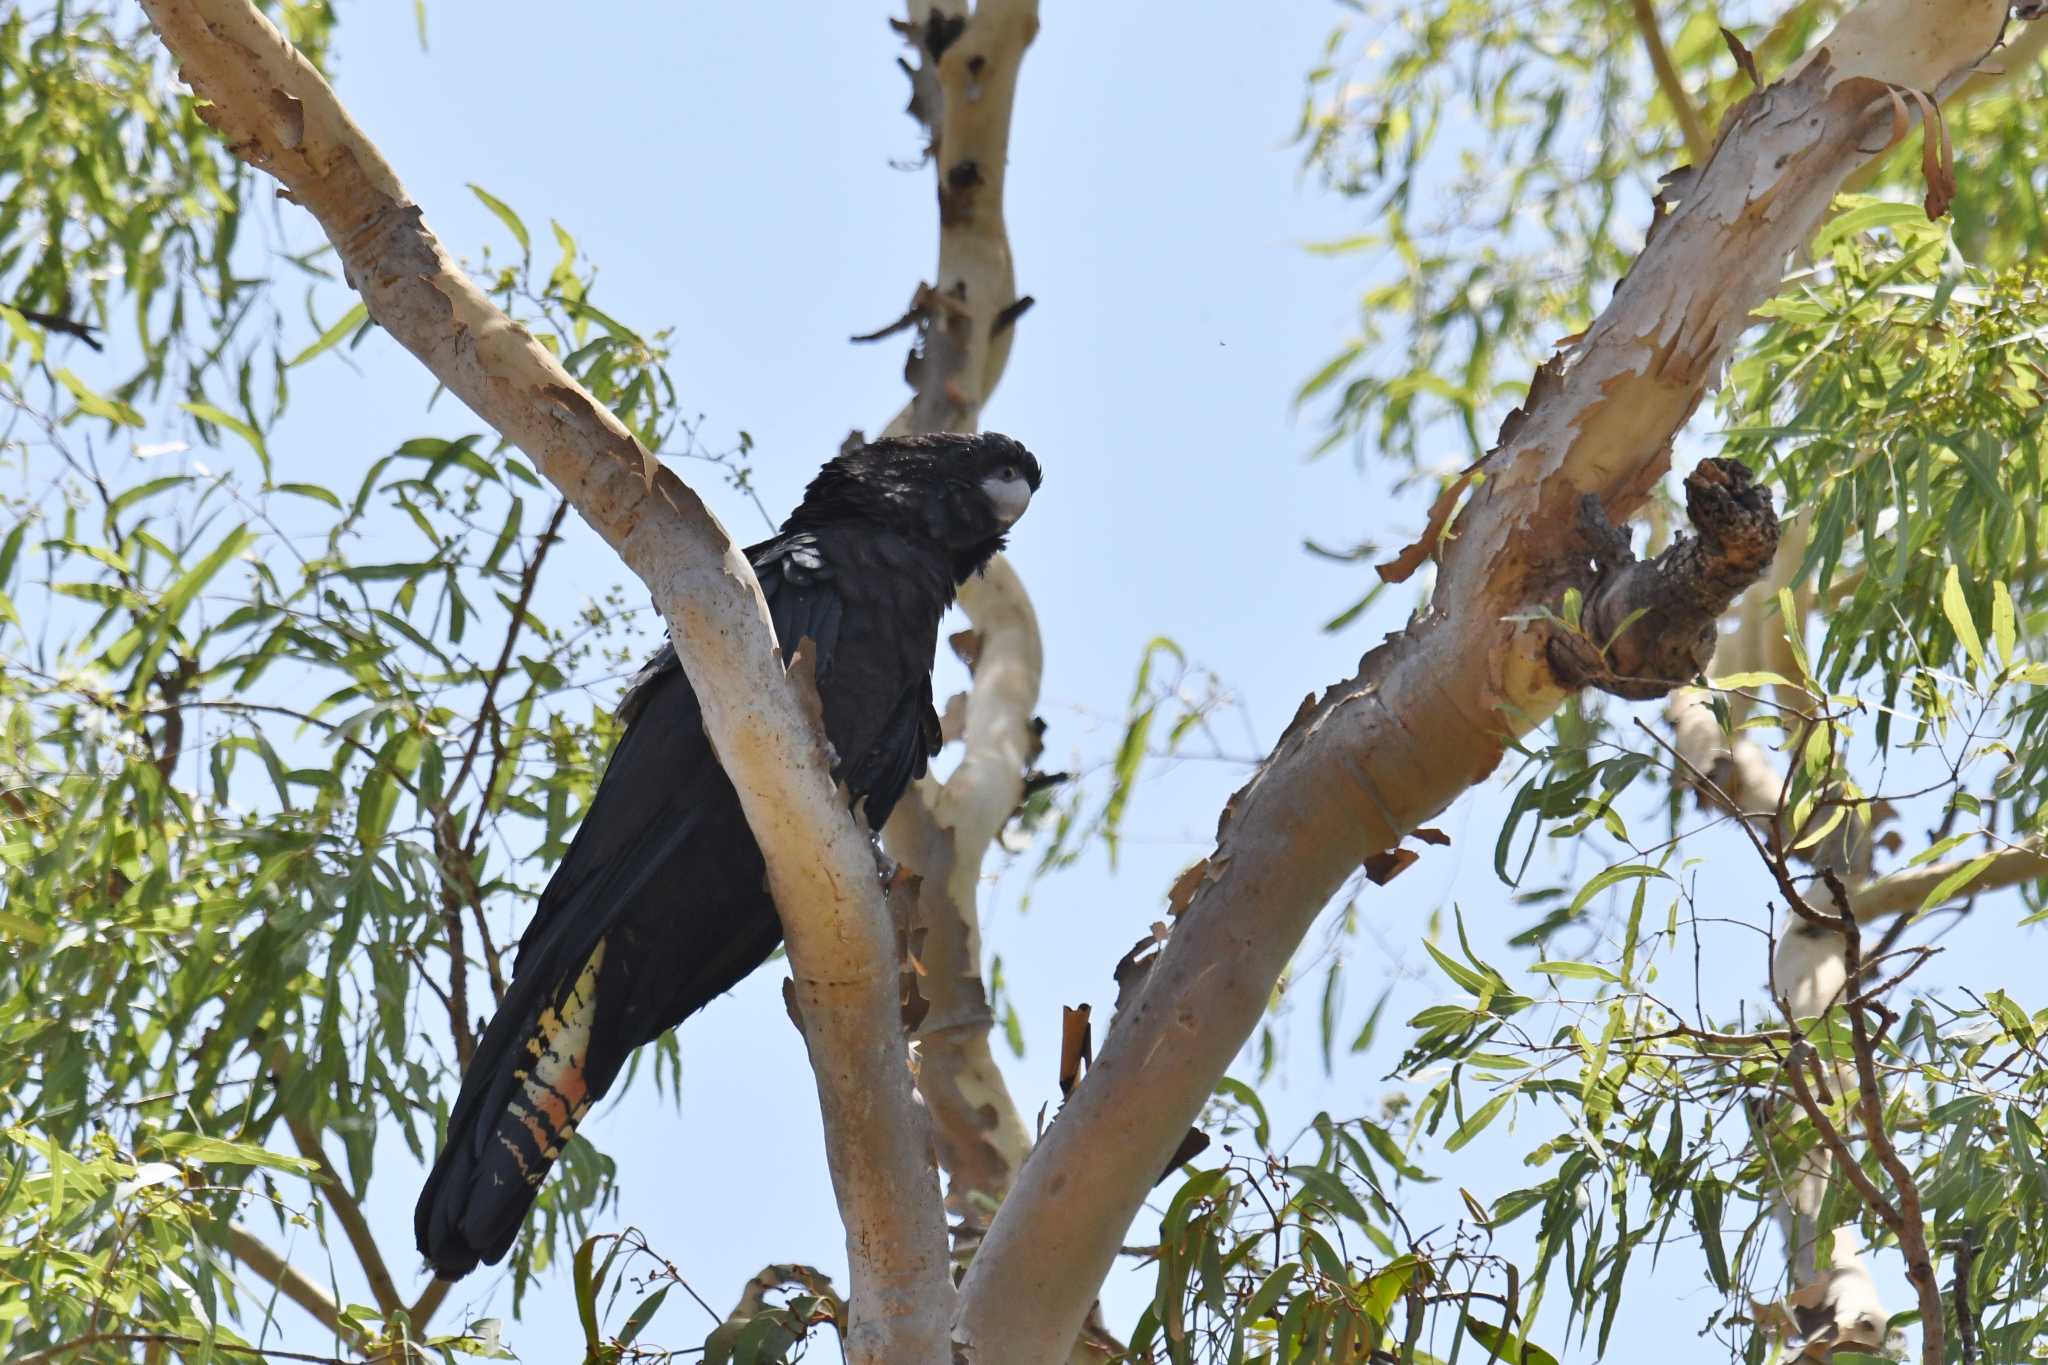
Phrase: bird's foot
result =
(886, 868)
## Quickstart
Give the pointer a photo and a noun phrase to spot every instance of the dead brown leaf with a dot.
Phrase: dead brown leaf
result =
(1743, 58)
(1077, 1046)
(1191, 1146)
(1403, 566)
(1937, 158)
(1382, 868)
(1185, 886)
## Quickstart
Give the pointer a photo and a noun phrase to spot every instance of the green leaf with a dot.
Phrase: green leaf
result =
(505, 216)
(1706, 1214)
(213, 1151)
(1788, 613)
(95, 405)
(207, 412)
(10, 550)
(1476, 1122)
(586, 1288)
(1957, 608)
(1955, 881)
(1262, 1130)
(24, 332)
(313, 491)
(128, 497)
(1372, 1022)
(1613, 876)
(1505, 1348)
(1577, 971)
(1382, 1142)
(2004, 628)
(375, 805)
(348, 322)
(641, 1313)
(1742, 682)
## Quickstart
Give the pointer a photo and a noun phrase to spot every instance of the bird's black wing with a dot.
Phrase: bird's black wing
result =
(658, 907)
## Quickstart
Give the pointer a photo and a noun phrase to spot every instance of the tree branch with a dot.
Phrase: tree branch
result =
(944, 833)
(279, 115)
(1429, 712)
(1901, 892)
(428, 1303)
(171, 1339)
(334, 1190)
(1906, 1221)
(964, 88)
(1698, 144)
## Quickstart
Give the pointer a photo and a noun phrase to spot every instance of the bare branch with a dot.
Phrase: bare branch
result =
(1698, 144)
(77, 1344)
(428, 1303)
(1907, 1223)
(1430, 710)
(1902, 892)
(355, 1227)
(278, 114)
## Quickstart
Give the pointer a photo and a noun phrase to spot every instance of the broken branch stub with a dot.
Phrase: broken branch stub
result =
(1646, 626)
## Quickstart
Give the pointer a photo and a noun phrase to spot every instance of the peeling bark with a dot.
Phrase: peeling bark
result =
(279, 115)
(1429, 712)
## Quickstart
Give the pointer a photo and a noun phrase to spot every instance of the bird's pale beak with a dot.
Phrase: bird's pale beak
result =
(1009, 498)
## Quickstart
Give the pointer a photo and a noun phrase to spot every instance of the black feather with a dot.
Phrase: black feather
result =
(663, 888)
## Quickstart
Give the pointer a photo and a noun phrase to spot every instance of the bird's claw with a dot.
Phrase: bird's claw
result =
(886, 867)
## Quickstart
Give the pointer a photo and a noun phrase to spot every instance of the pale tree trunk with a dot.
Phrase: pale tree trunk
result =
(963, 88)
(963, 91)
(279, 115)
(1429, 711)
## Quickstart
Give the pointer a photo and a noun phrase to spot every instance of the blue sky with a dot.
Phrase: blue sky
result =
(728, 167)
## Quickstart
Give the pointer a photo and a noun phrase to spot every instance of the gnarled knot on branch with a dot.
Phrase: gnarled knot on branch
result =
(1646, 626)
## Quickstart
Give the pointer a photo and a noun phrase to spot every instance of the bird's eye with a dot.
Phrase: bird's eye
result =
(1009, 472)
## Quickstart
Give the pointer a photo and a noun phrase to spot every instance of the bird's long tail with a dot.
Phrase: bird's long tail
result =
(533, 1078)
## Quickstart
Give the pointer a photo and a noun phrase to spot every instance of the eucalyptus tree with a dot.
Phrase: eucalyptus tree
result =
(262, 796)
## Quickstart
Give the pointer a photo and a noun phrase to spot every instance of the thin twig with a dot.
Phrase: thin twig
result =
(346, 1210)
(1909, 1224)
(63, 1349)
(269, 1265)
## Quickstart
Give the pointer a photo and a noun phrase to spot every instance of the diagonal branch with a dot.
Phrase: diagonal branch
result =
(349, 1213)
(1903, 892)
(428, 1303)
(265, 1262)
(1698, 144)
(280, 115)
(1430, 711)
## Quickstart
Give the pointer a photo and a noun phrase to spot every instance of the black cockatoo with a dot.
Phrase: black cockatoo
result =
(661, 903)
